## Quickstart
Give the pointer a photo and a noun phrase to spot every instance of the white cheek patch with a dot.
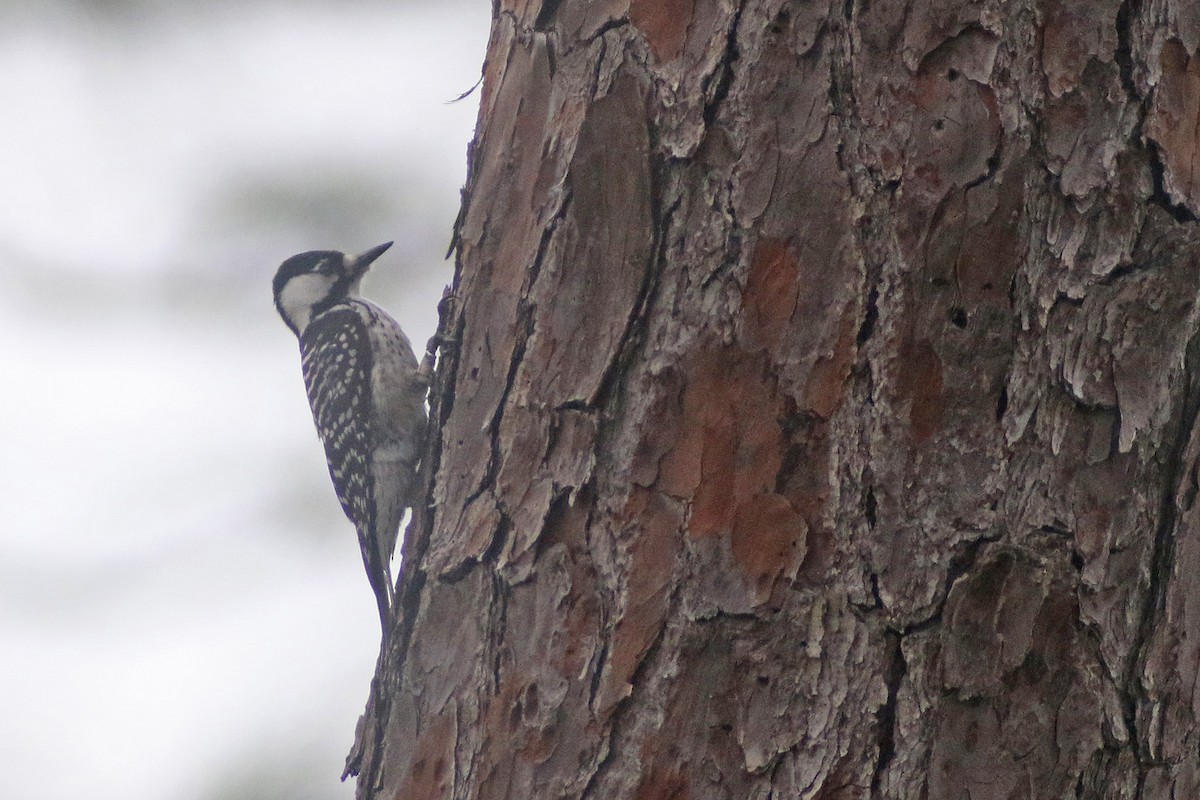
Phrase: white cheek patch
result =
(300, 294)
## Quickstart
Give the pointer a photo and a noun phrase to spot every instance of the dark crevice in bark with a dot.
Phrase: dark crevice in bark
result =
(636, 680)
(602, 765)
(499, 537)
(886, 715)
(875, 595)
(604, 594)
(990, 167)
(571, 45)
(594, 685)
(523, 330)
(497, 626)
(490, 553)
(611, 25)
(870, 317)
(1123, 55)
(546, 15)
(559, 504)
(1120, 272)
(441, 401)
(963, 559)
(1057, 528)
(551, 54)
(594, 86)
(1160, 197)
(966, 553)
(1162, 557)
(793, 460)
(1064, 299)
(628, 346)
(723, 75)
(732, 250)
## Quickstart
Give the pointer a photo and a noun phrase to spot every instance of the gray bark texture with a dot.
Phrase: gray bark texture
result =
(822, 415)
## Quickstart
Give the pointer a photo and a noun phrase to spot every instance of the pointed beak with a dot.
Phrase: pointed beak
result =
(358, 264)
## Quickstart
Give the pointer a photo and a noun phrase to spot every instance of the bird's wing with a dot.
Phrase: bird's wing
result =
(335, 352)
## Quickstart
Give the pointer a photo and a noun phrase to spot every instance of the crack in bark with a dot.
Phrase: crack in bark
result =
(524, 329)
(1162, 555)
(546, 14)
(497, 627)
(1160, 197)
(1123, 56)
(886, 717)
(611, 25)
(961, 562)
(712, 106)
(870, 317)
(633, 334)
(616, 716)
(594, 684)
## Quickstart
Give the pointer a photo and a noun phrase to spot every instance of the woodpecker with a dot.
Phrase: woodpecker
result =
(367, 393)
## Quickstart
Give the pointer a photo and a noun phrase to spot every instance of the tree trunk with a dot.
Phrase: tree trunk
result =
(821, 421)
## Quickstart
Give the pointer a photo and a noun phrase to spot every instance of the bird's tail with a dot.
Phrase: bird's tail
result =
(379, 574)
(394, 480)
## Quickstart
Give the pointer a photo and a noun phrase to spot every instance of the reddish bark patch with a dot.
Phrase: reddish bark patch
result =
(726, 460)
(823, 394)
(652, 555)
(770, 297)
(988, 255)
(730, 444)
(1075, 32)
(955, 130)
(1174, 123)
(663, 784)
(768, 538)
(664, 23)
(920, 383)
(566, 524)
(513, 722)
(434, 765)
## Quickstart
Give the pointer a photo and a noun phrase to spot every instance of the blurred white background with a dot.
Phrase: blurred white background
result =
(183, 610)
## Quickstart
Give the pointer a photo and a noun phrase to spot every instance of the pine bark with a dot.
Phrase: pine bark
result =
(821, 417)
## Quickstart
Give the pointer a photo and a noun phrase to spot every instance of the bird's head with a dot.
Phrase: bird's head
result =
(308, 283)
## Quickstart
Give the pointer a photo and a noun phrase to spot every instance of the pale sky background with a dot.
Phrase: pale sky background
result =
(183, 610)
